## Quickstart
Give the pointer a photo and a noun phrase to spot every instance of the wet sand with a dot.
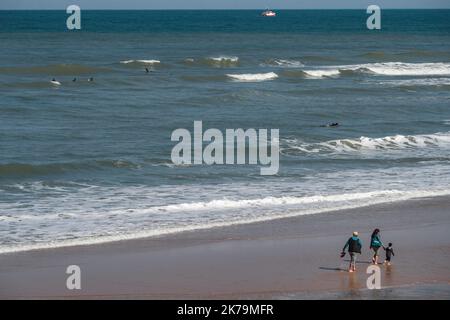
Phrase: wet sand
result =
(292, 258)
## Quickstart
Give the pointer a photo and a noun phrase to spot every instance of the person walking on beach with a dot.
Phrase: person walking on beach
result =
(354, 247)
(375, 244)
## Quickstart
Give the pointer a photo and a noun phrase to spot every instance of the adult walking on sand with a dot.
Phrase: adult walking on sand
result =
(375, 244)
(354, 247)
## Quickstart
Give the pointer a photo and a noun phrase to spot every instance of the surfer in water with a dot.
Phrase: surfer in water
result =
(91, 79)
(332, 124)
(146, 70)
(74, 80)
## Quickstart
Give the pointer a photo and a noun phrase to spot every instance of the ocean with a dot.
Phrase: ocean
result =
(86, 162)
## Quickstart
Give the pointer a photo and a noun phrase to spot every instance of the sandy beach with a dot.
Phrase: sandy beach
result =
(292, 258)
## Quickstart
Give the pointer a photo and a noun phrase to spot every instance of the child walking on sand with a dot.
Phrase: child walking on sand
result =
(389, 254)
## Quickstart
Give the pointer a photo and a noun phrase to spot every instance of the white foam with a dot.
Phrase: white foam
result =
(46, 214)
(408, 69)
(214, 205)
(385, 68)
(141, 61)
(253, 77)
(284, 63)
(338, 202)
(323, 73)
(225, 59)
(367, 143)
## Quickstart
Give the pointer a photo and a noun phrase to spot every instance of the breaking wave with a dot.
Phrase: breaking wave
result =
(253, 77)
(386, 69)
(366, 143)
(140, 62)
(224, 59)
(238, 212)
(216, 62)
(283, 63)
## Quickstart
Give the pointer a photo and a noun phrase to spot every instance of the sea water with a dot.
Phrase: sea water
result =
(90, 161)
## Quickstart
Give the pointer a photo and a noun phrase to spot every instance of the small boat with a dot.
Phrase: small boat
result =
(268, 13)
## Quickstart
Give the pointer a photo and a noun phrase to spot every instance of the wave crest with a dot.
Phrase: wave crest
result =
(140, 62)
(384, 68)
(253, 77)
(292, 206)
(283, 63)
(367, 143)
(216, 62)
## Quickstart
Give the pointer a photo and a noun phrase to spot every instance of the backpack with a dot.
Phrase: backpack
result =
(376, 243)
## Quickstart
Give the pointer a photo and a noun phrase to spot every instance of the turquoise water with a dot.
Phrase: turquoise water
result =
(86, 162)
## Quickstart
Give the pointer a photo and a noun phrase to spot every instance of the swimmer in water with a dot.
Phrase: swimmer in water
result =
(333, 124)
(91, 79)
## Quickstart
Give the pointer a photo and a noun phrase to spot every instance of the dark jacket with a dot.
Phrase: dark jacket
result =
(389, 252)
(354, 245)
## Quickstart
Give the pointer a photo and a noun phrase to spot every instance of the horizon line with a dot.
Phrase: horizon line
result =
(215, 9)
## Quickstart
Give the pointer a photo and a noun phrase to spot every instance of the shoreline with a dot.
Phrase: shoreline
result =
(148, 235)
(288, 257)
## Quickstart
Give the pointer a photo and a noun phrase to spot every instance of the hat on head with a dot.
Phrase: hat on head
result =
(355, 233)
